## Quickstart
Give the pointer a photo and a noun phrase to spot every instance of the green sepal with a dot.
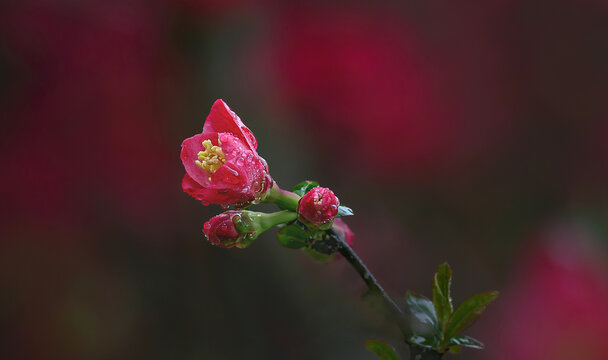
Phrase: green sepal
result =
(344, 211)
(293, 236)
(429, 341)
(442, 299)
(381, 349)
(322, 227)
(304, 187)
(423, 310)
(246, 240)
(466, 341)
(466, 314)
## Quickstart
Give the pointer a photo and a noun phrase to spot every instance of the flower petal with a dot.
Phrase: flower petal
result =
(222, 119)
(193, 188)
(211, 196)
(190, 148)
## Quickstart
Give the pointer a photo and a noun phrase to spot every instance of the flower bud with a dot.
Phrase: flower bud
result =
(221, 229)
(318, 207)
(241, 227)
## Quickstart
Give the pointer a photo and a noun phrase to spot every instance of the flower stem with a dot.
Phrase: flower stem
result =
(400, 317)
(281, 217)
(374, 287)
(286, 200)
(419, 353)
(258, 222)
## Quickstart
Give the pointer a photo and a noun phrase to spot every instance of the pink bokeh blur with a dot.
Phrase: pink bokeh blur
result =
(454, 130)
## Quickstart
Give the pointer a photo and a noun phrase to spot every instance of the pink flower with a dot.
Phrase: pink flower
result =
(221, 229)
(318, 207)
(369, 77)
(222, 165)
(344, 231)
(556, 306)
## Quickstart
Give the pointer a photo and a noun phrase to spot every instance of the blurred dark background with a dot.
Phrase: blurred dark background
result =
(472, 132)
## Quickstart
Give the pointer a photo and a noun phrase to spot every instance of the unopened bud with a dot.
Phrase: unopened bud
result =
(318, 207)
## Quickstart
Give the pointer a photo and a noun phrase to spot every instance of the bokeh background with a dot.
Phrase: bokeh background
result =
(469, 131)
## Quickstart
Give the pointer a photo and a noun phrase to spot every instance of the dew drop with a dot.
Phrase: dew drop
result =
(248, 135)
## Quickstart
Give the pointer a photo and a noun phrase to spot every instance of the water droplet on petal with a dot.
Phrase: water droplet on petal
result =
(249, 136)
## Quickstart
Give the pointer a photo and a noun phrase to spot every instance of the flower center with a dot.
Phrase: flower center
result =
(212, 158)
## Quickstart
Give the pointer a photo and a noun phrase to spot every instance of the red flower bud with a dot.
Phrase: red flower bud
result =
(221, 229)
(222, 165)
(344, 231)
(318, 207)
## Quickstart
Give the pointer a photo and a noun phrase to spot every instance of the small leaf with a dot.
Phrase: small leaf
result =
(344, 211)
(317, 256)
(428, 341)
(442, 299)
(304, 187)
(466, 314)
(465, 341)
(381, 349)
(422, 308)
(292, 236)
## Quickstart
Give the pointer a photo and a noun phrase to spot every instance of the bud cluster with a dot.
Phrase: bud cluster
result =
(223, 167)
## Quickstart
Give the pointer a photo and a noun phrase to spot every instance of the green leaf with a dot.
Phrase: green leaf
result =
(304, 187)
(344, 211)
(426, 341)
(454, 349)
(442, 299)
(466, 314)
(465, 341)
(292, 236)
(316, 255)
(422, 308)
(381, 349)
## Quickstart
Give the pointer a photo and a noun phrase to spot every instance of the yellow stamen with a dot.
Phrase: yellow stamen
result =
(212, 158)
